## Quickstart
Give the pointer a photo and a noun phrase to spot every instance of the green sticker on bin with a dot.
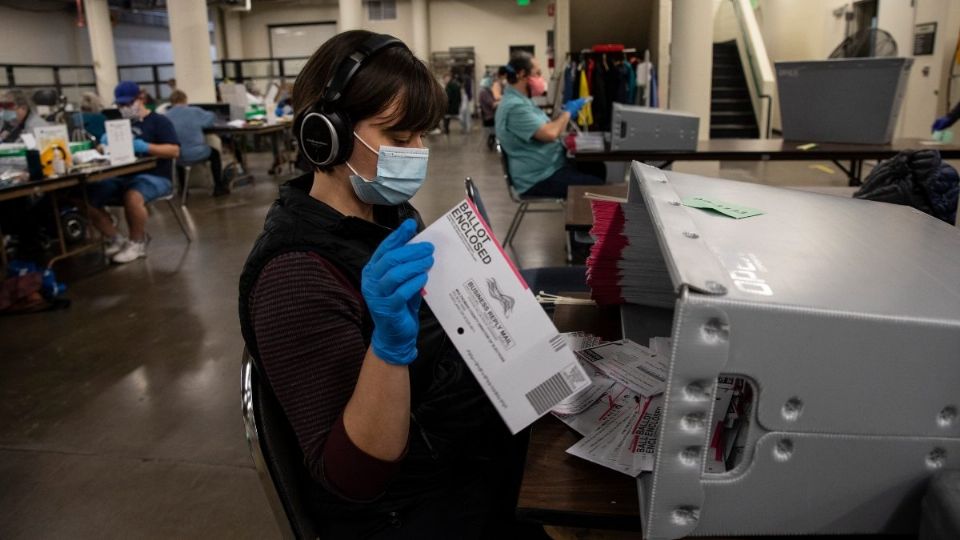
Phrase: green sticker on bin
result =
(732, 210)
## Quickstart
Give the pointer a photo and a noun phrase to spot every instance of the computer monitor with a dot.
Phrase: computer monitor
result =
(112, 114)
(221, 110)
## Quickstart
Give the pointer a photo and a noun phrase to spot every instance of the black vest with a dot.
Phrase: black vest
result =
(452, 421)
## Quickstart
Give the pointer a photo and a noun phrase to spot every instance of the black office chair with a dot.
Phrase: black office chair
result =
(549, 279)
(524, 201)
(276, 454)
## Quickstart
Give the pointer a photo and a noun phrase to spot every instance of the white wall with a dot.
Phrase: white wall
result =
(254, 24)
(490, 27)
(41, 38)
(800, 30)
(725, 26)
(401, 27)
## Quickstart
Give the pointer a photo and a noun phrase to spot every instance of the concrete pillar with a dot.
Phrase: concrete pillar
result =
(232, 36)
(561, 31)
(101, 47)
(421, 30)
(351, 15)
(190, 37)
(691, 60)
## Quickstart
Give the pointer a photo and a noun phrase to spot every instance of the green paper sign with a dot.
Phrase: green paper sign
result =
(727, 209)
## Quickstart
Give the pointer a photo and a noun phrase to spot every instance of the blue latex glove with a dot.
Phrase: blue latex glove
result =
(391, 284)
(140, 146)
(573, 106)
(103, 139)
(941, 124)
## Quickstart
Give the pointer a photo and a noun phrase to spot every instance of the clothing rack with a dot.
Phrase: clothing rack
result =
(631, 80)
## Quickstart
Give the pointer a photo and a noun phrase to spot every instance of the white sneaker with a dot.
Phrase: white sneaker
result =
(113, 246)
(131, 252)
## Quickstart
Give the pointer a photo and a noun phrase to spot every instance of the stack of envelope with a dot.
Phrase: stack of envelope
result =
(625, 262)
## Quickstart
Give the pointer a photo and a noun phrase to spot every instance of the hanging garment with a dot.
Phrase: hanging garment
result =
(585, 118)
(601, 100)
(569, 79)
(631, 77)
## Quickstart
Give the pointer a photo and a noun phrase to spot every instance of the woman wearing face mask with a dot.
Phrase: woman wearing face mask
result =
(16, 116)
(397, 437)
(531, 141)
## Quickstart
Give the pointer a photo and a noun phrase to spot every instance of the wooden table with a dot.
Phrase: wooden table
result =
(578, 215)
(54, 185)
(777, 150)
(274, 130)
(560, 489)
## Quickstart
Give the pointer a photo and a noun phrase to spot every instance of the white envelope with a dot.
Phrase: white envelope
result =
(489, 313)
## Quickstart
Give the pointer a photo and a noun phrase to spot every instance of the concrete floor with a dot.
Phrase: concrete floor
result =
(120, 416)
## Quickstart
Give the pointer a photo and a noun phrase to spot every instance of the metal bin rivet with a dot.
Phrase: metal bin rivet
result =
(690, 456)
(715, 287)
(937, 458)
(783, 450)
(691, 235)
(693, 422)
(714, 331)
(685, 515)
(947, 416)
(696, 391)
(792, 409)
(674, 203)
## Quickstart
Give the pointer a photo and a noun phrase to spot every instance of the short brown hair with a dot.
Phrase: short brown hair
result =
(178, 97)
(391, 74)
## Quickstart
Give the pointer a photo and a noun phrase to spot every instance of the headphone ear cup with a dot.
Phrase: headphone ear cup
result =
(318, 139)
(343, 131)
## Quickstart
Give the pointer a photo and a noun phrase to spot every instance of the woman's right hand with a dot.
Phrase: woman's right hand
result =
(391, 283)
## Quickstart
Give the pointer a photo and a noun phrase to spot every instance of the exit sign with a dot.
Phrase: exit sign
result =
(523, 2)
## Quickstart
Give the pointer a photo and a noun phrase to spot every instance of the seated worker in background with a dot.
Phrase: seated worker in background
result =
(947, 120)
(189, 122)
(397, 436)
(93, 119)
(154, 135)
(531, 141)
(17, 116)
(488, 109)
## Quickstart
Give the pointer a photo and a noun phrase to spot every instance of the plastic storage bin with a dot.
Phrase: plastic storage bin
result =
(844, 315)
(852, 100)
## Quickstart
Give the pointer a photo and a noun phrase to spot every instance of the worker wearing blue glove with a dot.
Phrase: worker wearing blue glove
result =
(155, 136)
(947, 120)
(573, 106)
(141, 147)
(531, 141)
(391, 287)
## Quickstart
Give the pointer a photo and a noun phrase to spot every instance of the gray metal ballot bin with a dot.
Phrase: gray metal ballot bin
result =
(843, 314)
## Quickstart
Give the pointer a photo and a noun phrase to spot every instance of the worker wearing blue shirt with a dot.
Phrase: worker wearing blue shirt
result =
(189, 122)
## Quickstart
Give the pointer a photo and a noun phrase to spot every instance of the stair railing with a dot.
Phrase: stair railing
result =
(753, 56)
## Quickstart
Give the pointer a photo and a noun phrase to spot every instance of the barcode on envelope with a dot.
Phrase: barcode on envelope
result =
(558, 342)
(549, 393)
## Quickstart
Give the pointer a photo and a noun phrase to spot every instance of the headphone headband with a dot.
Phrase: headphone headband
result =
(325, 134)
(350, 65)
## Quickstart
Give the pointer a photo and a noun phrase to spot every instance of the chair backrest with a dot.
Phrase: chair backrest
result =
(276, 454)
(473, 194)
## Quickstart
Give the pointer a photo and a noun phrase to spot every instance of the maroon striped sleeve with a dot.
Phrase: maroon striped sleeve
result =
(307, 320)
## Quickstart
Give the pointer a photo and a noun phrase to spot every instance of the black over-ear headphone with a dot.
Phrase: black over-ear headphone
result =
(325, 134)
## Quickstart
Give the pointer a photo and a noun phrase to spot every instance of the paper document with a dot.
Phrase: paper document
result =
(621, 426)
(631, 365)
(120, 141)
(513, 349)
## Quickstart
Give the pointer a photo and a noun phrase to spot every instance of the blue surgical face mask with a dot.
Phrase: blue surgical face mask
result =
(8, 116)
(400, 173)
